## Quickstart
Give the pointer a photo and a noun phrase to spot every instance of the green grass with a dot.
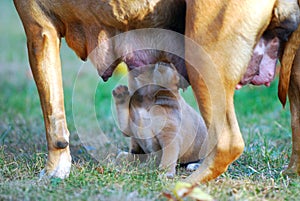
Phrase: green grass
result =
(256, 175)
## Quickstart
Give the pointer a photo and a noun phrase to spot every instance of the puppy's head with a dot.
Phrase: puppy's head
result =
(159, 75)
(166, 75)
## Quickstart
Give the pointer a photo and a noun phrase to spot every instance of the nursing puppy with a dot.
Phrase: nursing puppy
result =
(158, 120)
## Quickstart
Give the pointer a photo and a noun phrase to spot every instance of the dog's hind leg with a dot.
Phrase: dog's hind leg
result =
(43, 44)
(217, 58)
(294, 98)
(224, 142)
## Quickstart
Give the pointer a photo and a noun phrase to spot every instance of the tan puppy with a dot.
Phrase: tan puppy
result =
(157, 118)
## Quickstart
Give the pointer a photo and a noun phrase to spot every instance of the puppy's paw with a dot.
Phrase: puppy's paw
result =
(170, 175)
(192, 167)
(168, 172)
(124, 157)
(167, 175)
(120, 93)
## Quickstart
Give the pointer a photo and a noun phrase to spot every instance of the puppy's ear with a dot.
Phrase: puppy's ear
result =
(166, 74)
(180, 80)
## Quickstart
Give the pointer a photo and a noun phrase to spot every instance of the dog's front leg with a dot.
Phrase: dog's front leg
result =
(43, 49)
(294, 97)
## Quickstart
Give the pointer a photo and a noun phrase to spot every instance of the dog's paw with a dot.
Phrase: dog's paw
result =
(167, 172)
(120, 93)
(62, 168)
(170, 175)
(192, 167)
(123, 157)
(167, 175)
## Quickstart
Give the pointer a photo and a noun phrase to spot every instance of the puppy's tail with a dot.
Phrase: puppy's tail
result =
(287, 61)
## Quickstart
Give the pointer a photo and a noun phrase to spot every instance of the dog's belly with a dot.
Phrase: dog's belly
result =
(90, 23)
(261, 69)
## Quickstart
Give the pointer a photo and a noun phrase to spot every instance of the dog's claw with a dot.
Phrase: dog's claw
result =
(170, 175)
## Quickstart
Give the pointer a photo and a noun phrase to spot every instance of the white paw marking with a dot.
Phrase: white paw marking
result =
(63, 168)
(192, 167)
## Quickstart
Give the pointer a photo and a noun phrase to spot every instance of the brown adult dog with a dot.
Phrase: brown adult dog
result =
(85, 25)
(158, 120)
(224, 57)
(227, 32)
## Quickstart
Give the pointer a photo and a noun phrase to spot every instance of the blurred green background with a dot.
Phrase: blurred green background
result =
(263, 122)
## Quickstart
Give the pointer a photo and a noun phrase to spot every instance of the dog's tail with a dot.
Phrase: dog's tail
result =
(287, 61)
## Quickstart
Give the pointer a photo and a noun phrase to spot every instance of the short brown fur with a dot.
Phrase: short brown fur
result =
(158, 120)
